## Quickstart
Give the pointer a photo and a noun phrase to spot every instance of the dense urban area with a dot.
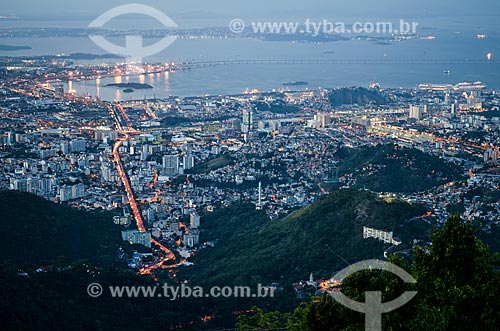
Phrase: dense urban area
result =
(165, 162)
(167, 171)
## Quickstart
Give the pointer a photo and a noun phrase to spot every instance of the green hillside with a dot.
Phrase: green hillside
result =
(356, 95)
(212, 164)
(36, 230)
(391, 168)
(276, 107)
(320, 238)
(458, 285)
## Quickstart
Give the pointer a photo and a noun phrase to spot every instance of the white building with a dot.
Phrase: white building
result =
(65, 147)
(194, 220)
(188, 161)
(386, 237)
(71, 192)
(417, 112)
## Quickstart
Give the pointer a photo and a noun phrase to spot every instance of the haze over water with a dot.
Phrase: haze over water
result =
(456, 39)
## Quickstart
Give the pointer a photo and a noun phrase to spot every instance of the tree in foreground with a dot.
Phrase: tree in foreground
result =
(458, 289)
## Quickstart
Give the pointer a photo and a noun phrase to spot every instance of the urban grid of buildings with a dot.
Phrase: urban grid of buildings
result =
(184, 157)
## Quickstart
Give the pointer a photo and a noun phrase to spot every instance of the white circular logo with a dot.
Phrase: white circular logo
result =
(373, 308)
(237, 25)
(134, 49)
(94, 290)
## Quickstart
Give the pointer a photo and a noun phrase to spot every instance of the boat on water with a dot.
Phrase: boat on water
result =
(461, 87)
(465, 86)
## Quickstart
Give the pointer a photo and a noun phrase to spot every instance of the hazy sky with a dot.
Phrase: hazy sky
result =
(274, 8)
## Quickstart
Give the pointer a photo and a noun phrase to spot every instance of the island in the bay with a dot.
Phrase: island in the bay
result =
(299, 83)
(13, 47)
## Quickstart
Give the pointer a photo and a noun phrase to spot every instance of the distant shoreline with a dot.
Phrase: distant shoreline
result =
(10, 48)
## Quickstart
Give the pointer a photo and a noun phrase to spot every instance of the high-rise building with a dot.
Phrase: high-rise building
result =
(194, 220)
(324, 119)
(9, 138)
(491, 154)
(77, 145)
(19, 184)
(171, 164)
(65, 147)
(101, 135)
(259, 197)
(71, 192)
(106, 172)
(417, 112)
(188, 161)
(47, 153)
(192, 238)
(247, 120)
(32, 184)
(215, 150)
(453, 109)
(45, 184)
(137, 237)
(145, 152)
(447, 98)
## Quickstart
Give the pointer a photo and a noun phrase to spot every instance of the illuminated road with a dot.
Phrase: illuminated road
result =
(126, 183)
(168, 255)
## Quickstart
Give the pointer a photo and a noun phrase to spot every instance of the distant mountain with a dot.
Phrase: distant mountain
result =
(36, 230)
(356, 96)
(320, 238)
(391, 168)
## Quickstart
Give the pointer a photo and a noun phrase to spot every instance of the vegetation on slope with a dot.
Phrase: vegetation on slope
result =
(36, 230)
(58, 300)
(276, 107)
(457, 285)
(211, 164)
(356, 96)
(391, 168)
(458, 289)
(321, 238)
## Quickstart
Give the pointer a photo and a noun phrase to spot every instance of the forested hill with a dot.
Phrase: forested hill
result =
(321, 238)
(391, 168)
(356, 96)
(36, 230)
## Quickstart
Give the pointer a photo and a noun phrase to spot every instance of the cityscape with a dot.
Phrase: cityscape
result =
(280, 188)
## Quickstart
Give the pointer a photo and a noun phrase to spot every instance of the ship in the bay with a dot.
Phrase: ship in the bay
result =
(460, 87)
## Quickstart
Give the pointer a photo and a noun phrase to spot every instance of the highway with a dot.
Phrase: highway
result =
(168, 254)
(126, 184)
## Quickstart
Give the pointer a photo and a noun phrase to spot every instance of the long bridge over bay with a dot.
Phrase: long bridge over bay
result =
(214, 63)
